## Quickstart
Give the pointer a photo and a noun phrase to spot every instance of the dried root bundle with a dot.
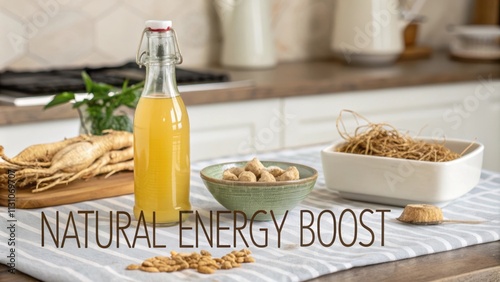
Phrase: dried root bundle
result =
(381, 139)
(44, 166)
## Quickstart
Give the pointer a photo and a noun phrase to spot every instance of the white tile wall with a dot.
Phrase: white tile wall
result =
(47, 33)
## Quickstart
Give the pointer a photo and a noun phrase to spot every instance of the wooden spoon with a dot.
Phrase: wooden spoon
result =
(428, 215)
(443, 221)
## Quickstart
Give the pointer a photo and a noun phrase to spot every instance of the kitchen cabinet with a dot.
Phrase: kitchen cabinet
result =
(14, 138)
(468, 111)
(235, 128)
(216, 130)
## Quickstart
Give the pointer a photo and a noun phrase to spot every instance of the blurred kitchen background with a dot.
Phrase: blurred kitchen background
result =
(300, 92)
(61, 33)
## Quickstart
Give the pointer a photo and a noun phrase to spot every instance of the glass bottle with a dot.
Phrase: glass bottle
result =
(161, 132)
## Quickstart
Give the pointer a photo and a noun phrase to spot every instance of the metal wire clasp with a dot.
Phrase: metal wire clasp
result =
(178, 55)
(140, 57)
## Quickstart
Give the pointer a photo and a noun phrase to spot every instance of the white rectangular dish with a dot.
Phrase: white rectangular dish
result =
(399, 181)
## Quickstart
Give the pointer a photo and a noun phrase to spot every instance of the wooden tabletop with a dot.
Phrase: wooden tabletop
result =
(299, 79)
(474, 263)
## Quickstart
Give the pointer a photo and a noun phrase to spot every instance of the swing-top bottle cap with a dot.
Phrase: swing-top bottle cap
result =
(160, 48)
(157, 25)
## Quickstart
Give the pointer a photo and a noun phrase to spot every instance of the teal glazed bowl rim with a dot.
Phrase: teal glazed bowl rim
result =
(283, 165)
(261, 201)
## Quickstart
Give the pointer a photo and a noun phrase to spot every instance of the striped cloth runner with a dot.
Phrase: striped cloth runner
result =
(294, 257)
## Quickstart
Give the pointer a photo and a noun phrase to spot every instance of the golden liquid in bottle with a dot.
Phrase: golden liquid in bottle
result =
(161, 159)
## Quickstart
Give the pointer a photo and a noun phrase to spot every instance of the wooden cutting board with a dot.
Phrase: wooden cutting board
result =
(96, 188)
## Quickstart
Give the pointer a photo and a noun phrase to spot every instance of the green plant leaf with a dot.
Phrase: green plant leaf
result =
(101, 107)
(78, 104)
(121, 122)
(125, 84)
(88, 82)
(59, 99)
(101, 90)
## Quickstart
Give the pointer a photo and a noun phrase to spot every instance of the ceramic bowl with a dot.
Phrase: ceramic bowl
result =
(400, 182)
(250, 197)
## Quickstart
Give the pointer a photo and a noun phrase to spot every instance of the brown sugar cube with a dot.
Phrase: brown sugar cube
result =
(266, 176)
(247, 176)
(236, 170)
(228, 175)
(291, 173)
(254, 166)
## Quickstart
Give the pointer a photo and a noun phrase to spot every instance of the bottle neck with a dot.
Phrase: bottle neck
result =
(160, 80)
(162, 56)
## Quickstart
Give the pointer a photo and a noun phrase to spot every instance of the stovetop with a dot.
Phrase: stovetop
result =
(36, 88)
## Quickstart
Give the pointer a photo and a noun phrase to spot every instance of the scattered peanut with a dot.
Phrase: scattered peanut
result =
(202, 262)
(149, 269)
(133, 267)
(205, 269)
(205, 253)
(226, 265)
(249, 259)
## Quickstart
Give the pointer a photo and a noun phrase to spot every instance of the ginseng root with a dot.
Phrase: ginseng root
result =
(81, 157)
(40, 154)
